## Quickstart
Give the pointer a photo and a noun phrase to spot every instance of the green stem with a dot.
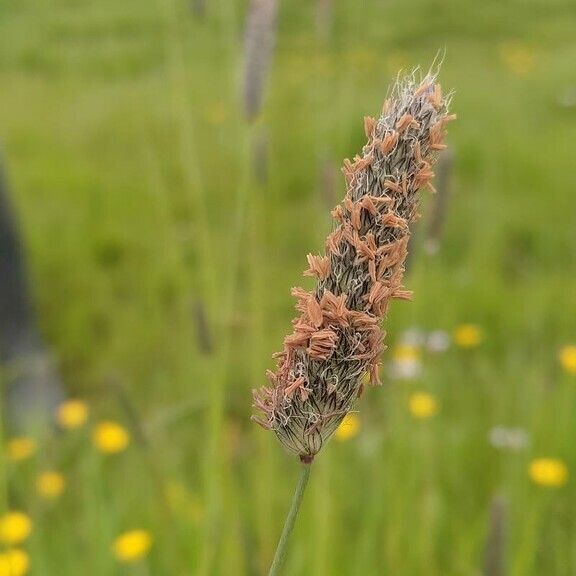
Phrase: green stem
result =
(290, 520)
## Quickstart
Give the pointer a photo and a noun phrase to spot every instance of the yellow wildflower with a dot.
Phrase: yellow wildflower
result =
(132, 546)
(15, 527)
(422, 405)
(110, 437)
(50, 484)
(567, 357)
(72, 414)
(14, 563)
(549, 472)
(21, 448)
(348, 428)
(468, 336)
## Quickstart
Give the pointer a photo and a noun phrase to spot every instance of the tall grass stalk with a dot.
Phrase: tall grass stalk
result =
(214, 460)
(290, 519)
(337, 339)
(263, 474)
(259, 41)
(209, 289)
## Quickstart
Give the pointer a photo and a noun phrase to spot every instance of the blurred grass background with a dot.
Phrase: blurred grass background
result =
(129, 159)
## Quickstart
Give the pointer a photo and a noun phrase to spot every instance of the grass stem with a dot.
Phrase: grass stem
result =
(290, 520)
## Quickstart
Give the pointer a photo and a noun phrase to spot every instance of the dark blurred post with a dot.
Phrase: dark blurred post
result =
(31, 387)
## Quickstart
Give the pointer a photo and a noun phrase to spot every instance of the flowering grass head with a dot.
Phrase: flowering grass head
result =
(337, 336)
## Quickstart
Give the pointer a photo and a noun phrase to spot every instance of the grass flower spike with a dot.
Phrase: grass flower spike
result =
(337, 337)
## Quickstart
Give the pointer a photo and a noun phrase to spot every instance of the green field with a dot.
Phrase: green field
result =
(162, 265)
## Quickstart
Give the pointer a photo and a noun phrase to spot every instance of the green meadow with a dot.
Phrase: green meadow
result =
(161, 259)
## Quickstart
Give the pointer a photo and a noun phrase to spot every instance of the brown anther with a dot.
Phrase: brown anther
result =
(318, 266)
(291, 388)
(362, 163)
(393, 220)
(356, 217)
(296, 340)
(405, 121)
(369, 125)
(375, 374)
(391, 185)
(322, 344)
(334, 308)
(422, 88)
(338, 213)
(449, 118)
(381, 200)
(435, 97)
(423, 176)
(368, 204)
(389, 142)
(372, 270)
(402, 295)
(418, 152)
(314, 312)
(333, 241)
